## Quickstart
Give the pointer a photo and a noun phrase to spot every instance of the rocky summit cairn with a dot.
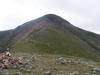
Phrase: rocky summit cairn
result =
(8, 61)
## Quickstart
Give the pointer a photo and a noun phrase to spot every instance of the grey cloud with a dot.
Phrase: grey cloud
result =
(82, 13)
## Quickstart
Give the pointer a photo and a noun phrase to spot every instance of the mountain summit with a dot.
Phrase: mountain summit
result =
(51, 34)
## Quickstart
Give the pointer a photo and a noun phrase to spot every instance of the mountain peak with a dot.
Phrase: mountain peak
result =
(55, 18)
(52, 34)
(51, 15)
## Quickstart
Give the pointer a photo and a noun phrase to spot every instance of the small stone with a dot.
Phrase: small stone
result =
(28, 70)
(22, 69)
(48, 73)
(32, 58)
(76, 73)
(55, 69)
(94, 72)
(86, 74)
(18, 73)
(96, 69)
(71, 74)
(61, 60)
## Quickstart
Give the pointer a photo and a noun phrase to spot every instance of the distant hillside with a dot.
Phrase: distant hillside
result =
(52, 34)
(5, 37)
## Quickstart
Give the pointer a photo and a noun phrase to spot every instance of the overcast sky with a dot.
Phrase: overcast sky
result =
(81, 13)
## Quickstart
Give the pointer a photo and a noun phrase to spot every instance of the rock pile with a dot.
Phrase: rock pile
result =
(7, 61)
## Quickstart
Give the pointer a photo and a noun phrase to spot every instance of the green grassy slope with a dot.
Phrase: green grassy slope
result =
(55, 42)
(93, 38)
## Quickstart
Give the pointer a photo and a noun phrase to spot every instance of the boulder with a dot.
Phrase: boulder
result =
(96, 69)
(61, 60)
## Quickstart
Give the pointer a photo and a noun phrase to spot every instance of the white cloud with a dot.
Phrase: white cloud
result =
(82, 13)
